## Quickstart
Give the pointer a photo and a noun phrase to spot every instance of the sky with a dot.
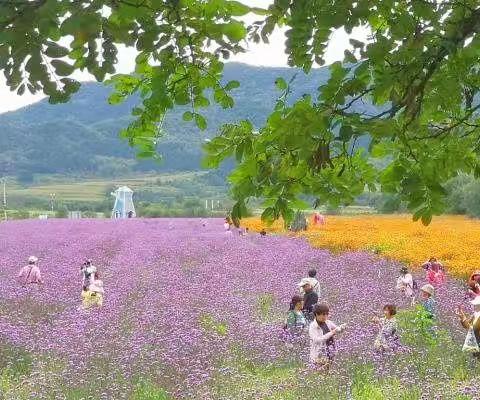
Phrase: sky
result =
(268, 55)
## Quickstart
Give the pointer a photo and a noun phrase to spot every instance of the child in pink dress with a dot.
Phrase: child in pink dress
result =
(30, 274)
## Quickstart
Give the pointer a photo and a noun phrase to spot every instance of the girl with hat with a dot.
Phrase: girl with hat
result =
(30, 273)
(472, 324)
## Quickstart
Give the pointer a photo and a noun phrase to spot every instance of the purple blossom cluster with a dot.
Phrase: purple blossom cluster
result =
(180, 299)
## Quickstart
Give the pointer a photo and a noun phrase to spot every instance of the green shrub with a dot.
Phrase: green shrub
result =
(146, 390)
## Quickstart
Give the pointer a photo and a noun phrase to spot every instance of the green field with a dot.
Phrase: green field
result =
(92, 190)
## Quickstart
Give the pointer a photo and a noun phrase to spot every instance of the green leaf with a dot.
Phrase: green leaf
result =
(281, 84)
(236, 8)
(346, 133)
(234, 30)
(201, 122)
(426, 218)
(268, 215)
(62, 68)
(232, 85)
(187, 116)
(54, 50)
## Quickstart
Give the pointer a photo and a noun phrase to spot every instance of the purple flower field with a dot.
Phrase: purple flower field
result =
(198, 313)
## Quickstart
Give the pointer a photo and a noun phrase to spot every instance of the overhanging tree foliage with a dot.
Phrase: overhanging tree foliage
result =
(420, 67)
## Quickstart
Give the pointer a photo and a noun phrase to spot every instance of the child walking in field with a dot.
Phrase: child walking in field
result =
(387, 338)
(322, 334)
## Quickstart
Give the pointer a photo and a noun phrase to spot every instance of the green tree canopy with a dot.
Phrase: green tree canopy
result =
(420, 68)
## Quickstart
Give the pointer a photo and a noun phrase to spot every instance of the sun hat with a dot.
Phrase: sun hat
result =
(477, 272)
(32, 259)
(428, 289)
(475, 301)
(305, 281)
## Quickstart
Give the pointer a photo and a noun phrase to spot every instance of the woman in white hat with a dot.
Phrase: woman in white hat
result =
(30, 273)
(472, 325)
(428, 302)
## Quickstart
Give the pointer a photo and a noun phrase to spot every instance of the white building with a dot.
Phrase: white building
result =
(123, 207)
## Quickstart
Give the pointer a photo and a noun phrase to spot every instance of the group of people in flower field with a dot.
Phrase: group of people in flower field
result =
(92, 285)
(308, 316)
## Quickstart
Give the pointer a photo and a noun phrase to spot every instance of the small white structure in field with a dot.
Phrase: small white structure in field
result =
(123, 207)
(43, 216)
(74, 214)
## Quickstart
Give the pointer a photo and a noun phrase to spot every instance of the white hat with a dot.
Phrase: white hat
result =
(475, 301)
(32, 259)
(304, 282)
(428, 289)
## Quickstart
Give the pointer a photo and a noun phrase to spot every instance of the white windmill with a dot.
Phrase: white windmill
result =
(123, 207)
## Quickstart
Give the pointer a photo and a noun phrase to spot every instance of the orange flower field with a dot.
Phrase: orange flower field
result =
(454, 240)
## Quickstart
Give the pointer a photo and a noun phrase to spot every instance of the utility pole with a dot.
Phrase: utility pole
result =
(5, 198)
(52, 200)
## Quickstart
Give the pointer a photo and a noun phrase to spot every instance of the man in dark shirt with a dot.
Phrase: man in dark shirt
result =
(310, 298)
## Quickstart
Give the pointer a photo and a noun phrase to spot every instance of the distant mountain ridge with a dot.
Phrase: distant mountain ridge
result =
(81, 137)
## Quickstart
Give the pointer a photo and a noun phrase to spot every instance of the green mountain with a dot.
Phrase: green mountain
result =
(81, 137)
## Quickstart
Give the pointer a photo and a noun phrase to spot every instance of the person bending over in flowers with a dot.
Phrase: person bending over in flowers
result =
(322, 334)
(96, 290)
(406, 284)
(472, 325)
(435, 272)
(92, 295)
(30, 273)
(387, 338)
(86, 298)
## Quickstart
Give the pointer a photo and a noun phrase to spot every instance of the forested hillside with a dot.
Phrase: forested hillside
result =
(81, 137)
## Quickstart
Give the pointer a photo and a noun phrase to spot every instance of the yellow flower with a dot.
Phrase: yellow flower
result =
(453, 240)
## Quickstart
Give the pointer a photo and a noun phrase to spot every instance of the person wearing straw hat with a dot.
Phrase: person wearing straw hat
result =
(427, 301)
(30, 273)
(472, 325)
